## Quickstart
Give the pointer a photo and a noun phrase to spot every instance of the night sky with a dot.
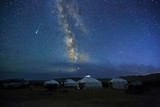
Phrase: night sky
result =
(45, 39)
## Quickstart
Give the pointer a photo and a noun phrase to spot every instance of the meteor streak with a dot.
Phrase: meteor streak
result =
(38, 28)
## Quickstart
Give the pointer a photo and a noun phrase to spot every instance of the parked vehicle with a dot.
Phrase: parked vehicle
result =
(15, 83)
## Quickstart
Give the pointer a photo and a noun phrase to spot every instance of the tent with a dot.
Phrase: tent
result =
(89, 82)
(51, 82)
(70, 83)
(51, 85)
(135, 87)
(118, 83)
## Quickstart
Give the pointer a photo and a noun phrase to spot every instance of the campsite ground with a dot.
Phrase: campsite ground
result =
(37, 96)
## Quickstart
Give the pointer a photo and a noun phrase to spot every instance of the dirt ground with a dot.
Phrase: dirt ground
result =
(37, 96)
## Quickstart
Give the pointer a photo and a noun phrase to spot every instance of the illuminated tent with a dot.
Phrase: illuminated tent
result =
(118, 83)
(70, 83)
(89, 82)
(51, 82)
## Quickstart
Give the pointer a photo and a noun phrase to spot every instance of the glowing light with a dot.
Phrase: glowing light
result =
(88, 76)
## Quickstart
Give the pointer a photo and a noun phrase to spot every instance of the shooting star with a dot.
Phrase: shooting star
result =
(38, 29)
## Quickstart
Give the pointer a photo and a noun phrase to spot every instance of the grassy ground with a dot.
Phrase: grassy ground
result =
(37, 96)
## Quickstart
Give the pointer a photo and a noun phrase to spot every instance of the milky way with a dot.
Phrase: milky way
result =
(72, 49)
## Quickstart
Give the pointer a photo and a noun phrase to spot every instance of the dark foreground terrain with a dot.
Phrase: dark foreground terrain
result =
(37, 96)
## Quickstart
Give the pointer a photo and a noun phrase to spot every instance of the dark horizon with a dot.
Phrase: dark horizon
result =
(91, 69)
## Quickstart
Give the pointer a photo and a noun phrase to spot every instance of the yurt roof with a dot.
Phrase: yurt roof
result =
(118, 80)
(51, 82)
(88, 78)
(70, 81)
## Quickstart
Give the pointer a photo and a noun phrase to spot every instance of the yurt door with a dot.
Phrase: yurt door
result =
(81, 85)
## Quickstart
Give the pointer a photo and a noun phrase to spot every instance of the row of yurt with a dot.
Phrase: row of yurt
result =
(89, 82)
(53, 84)
(134, 87)
(86, 82)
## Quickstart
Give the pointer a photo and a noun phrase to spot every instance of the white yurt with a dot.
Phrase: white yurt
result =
(70, 83)
(51, 85)
(89, 82)
(51, 82)
(118, 83)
